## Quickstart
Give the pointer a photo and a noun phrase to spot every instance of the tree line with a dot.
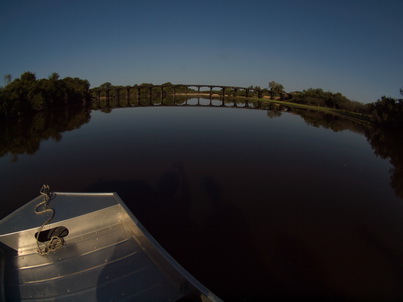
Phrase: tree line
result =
(28, 94)
(385, 112)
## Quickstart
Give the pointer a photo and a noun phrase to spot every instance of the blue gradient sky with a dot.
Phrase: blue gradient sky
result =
(354, 47)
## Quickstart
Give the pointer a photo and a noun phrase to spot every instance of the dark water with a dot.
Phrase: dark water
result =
(256, 204)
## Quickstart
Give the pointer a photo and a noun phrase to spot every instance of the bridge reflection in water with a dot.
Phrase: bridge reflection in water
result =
(181, 95)
(136, 94)
(188, 101)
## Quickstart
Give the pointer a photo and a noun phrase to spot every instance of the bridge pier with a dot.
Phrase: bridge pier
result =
(128, 96)
(165, 90)
(259, 94)
(107, 97)
(117, 92)
(150, 97)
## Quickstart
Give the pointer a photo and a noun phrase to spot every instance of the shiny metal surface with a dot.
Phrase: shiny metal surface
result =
(107, 256)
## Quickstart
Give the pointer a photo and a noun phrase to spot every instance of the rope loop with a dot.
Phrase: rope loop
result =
(41, 208)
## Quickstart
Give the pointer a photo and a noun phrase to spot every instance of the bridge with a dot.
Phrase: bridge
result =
(272, 108)
(137, 91)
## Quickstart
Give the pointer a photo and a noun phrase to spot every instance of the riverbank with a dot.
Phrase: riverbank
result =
(352, 115)
(344, 113)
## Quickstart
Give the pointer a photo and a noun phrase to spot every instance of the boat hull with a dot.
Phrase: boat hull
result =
(107, 255)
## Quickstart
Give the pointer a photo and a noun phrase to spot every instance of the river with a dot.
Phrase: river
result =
(263, 202)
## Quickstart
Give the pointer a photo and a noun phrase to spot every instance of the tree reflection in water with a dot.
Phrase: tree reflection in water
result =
(385, 142)
(23, 135)
(286, 245)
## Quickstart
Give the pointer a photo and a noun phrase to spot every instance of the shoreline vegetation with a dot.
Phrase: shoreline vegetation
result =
(27, 94)
(66, 104)
(360, 117)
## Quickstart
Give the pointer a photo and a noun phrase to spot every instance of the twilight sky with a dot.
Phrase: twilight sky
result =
(350, 46)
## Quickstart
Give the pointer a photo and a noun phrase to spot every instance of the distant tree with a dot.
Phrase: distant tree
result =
(27, 94)
(28, 77)
(54, 76)
(77, 89)
(276, 88)
(387, 112)
(7, 79)
(106, 85)
(318, 97)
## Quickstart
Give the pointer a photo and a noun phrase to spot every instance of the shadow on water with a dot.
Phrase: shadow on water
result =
(231, 255)
(221, 250)
(216, 250)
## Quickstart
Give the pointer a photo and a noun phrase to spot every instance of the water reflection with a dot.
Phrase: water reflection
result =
(385, 143)
(250, 201)
(23, 135)
(389, 145)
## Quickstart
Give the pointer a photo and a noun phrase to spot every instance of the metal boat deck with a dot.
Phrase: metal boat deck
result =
(107, 256)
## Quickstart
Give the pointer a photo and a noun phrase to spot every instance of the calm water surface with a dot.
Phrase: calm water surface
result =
(253, 204)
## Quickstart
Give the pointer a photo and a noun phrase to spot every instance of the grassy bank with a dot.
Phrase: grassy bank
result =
(352, 115)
